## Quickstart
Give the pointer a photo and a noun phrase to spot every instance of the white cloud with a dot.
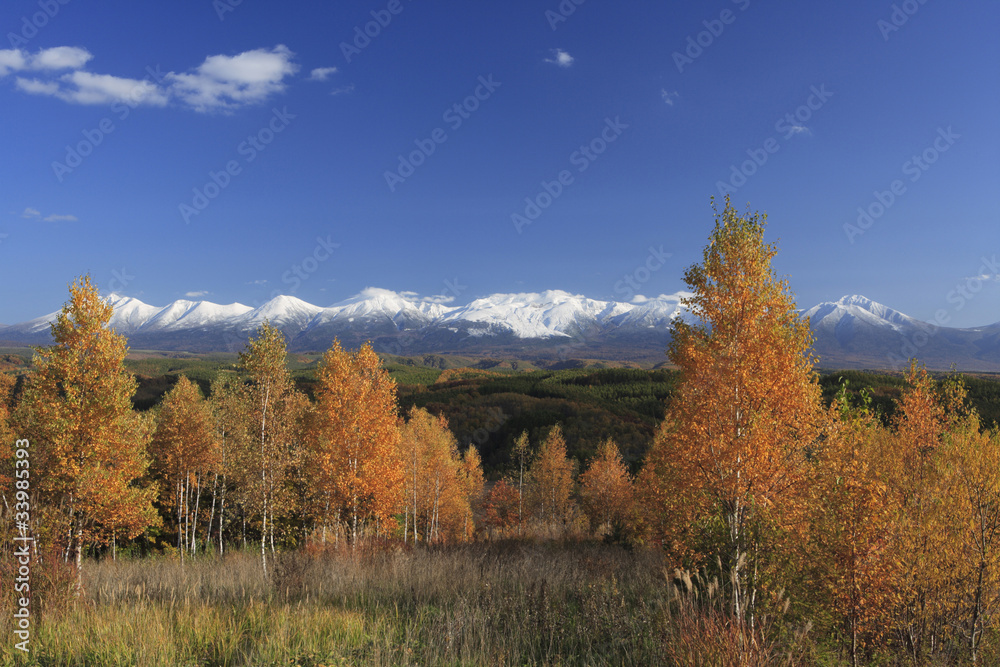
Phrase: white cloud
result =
(60, 218)
(11, 60)
(322, 73)
(220, 83)
(668, 96)
(345, 90)
(257, 282)
(90, 88)
(560, 58)
(36, 87)
(798, 129)
(60, 57)
(196, 295)
(30, 213)
(226, 82)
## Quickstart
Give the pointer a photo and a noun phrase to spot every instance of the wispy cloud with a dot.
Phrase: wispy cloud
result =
(560, 58)
(322, 73)
(60, 218)
(668, 97)
(798, 129)
(30, 213)
(196, 295)
(257, 282)
(220, 83)
(345, 90)
(436, 298)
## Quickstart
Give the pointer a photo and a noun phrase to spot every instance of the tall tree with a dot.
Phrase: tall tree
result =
(851, 550)
(606, 488)
(747, 404)
(355, 446)
(185, 454)
(90, 445)
(552, 479)
(272, 406)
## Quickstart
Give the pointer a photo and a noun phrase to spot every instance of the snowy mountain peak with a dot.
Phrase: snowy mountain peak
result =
(855, 306)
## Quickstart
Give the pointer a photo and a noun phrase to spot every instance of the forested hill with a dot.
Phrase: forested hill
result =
(491, 407)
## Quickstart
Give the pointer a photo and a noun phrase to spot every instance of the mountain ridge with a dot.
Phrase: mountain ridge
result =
(851, 332)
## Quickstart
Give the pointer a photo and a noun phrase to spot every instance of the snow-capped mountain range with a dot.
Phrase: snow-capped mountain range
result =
(851, 332)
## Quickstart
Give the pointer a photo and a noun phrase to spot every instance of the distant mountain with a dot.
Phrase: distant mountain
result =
(856, 332)
(853, 332)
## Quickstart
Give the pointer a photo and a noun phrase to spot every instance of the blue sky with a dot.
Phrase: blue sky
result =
(116, 115)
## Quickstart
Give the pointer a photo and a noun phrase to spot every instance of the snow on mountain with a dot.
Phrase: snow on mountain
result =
(281, 311)
(129, 313)
(537, 315)
(846, 310)
(374, 303)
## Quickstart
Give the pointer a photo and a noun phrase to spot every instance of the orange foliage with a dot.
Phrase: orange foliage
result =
(89, 447)
(355, 450)
(747, 405)
(606, 488)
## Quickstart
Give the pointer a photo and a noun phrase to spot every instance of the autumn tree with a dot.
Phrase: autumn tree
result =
(354, 451)
(522, 456)
(747, 403)
(185, 454)
(922, 494)
(552, 479)
(471, 478)
(606, 489)
(7, 436)
(231, 423)
(89, 446)
(273, 410)
(437, 497)
(973, 457)
(500, 507)
(850, 549)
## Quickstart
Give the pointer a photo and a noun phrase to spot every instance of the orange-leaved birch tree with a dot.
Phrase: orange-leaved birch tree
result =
(974, 458)
(850, 547)
(924, 496)
(552, 480)
(228, 410)
(89, 446)
(472, 481)
(606, 491)
(747, 404)
(355, 451)
(271, 407)
(185, 454)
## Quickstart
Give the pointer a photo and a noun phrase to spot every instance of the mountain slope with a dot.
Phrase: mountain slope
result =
(852, 332)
